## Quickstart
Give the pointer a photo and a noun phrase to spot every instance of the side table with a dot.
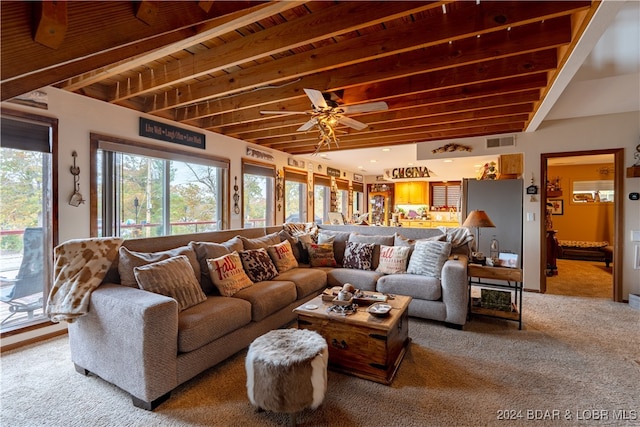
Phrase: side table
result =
(507, 278)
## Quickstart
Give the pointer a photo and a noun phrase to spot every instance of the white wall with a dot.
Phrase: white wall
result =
(79, 116)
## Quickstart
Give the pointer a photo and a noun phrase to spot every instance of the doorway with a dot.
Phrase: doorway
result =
(599, 209)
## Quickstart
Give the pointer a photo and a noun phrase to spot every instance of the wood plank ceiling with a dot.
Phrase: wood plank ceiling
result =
(445, 69)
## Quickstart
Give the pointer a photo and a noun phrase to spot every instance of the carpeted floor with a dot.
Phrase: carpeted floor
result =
(575, 359)
(582, 278)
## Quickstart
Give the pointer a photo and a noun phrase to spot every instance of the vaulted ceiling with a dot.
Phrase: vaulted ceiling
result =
(445, 69)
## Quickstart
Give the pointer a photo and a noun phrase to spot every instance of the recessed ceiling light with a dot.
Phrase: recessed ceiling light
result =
(360, 167)
(386, 149)
(323, 155)
(373, 161)
(409, 164)
(448, 161)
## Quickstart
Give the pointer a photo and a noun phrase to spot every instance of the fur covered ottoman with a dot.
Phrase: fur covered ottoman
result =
(287, 371)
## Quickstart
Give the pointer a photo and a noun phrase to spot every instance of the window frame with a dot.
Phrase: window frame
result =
(269, 172)
(300, 177)
(100, 141)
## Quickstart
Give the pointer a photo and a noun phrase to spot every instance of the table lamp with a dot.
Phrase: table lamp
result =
(478, 219)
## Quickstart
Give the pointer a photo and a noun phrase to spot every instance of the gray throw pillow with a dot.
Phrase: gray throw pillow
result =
(428, 258)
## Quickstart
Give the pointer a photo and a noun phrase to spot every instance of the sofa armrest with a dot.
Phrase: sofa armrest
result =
(129, 337)
(455, 289)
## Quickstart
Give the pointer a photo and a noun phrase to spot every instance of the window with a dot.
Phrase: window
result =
(358, 199)
(295, 196)
(321, 197)
(28, 195)
(258, 184)
(597, 191)
(343, 197)
(445, 195)
(146, 192)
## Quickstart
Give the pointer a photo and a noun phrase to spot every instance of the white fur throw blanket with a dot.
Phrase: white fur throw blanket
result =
(79, 267)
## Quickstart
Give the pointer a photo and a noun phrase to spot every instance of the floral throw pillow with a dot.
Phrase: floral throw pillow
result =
(258, 265)
(321, 255)
(393, 259)
(282, 256)
(228, 274)
(358, 256)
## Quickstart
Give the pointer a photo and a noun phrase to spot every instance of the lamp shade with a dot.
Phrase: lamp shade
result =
(478, 219)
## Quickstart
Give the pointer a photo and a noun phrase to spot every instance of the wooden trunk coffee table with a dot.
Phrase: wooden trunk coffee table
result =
(361, 344)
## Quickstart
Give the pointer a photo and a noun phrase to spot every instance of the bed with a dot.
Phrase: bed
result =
(585, 250)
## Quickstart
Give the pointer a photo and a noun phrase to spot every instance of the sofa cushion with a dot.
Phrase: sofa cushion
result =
(128, 260)
(321, 255)
(412, 285)
(364, 280)
(173, 277)
(260, 242)
(339, 243)
(358, 256)
(210, 320)
(282, 256)
(258, 265)
(428, 258)
(393, 259)
(207, 250)
(376, 240)
(228, 274)
(268, 297)
(307, 280)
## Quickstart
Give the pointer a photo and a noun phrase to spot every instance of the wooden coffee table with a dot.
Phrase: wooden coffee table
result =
(361, 344)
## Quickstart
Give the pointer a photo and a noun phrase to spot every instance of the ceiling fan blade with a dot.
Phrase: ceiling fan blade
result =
(364, 108)
(282, 112)
(308, 125)
(316, 98)
(352, 123)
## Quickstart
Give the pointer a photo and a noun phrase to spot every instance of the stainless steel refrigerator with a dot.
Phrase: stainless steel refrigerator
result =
(502, 201)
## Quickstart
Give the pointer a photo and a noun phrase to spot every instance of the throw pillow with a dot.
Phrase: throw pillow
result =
(173, 277)
(282, 256)
(358, 256)
(258, 265)
(130, 259)
(377, 240)
(321, 255)
(228, 274)
(207, 250)
(260, 242)
(428, 258)
(325, 238)
(393, 259)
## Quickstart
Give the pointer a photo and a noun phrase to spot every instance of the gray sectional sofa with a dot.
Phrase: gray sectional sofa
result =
(141, 342)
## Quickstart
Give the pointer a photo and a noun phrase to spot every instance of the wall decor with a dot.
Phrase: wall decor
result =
(411, 172)
(333, 172)
(295, 163)
(258, 154)
(165, 132)
(358, 178)
(448, 148)
(557, 206)
(236, 197)
(76, 197)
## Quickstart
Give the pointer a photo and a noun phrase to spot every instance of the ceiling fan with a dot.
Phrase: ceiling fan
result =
(327, 114)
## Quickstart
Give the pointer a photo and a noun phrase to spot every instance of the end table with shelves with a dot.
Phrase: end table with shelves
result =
(502, 278)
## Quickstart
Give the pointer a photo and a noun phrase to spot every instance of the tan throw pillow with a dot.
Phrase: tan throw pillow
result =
(130, 259)
(282, 256)
(207, 250)
(393, 259)
(260, 242)
(321, 255)
(228, 274)
(173, 277)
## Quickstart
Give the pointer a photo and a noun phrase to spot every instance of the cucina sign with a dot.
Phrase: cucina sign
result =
(413, 172)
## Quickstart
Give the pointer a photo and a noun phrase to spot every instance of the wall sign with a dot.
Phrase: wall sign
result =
(358, 177)
(165, 132)
(412, 172)
(333, 172)
(258, 154)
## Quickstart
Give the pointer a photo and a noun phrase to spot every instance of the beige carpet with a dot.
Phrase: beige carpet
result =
(573, 356)
(582, 278)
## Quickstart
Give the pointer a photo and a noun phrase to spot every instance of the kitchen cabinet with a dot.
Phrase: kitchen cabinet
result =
(411, 193)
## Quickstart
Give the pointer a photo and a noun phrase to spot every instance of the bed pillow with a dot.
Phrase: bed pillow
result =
(173, 277)
(228, 274)
(258, 265)
(321, 255)
(428, 258)
(282, 256)
(393, 259)
(129, 260)
(358, 256)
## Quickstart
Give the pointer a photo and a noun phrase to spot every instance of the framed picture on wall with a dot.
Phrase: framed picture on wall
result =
(557, 206)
